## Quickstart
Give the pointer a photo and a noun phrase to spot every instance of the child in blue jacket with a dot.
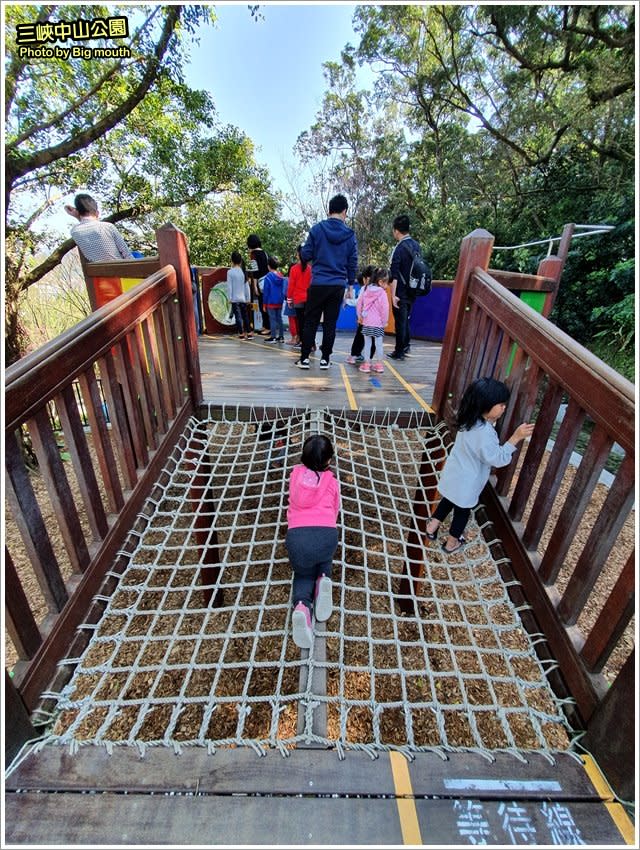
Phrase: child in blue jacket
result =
(273, 296)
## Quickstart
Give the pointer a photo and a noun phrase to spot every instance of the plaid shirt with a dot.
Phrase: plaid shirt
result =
(100, 241)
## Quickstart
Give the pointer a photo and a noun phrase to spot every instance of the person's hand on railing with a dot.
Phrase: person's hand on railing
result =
(521, 433)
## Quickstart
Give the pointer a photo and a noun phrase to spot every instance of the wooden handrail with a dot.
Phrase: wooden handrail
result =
(607, 396)
(32, 379)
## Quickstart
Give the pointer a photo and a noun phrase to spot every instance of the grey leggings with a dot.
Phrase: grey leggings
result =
(311, 550)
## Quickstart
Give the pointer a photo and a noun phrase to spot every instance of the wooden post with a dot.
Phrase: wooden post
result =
(17, 728)
(611, 732)
(172, 248)
(552, 267)
(475, 250)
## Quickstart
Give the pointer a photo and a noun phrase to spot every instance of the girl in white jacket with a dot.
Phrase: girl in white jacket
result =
(372, 308)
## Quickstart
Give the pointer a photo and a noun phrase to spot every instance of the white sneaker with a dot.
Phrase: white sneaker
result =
(301, 623)
(324, 599)
(324, 364)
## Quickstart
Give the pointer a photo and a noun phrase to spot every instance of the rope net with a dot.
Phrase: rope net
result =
(195, 646)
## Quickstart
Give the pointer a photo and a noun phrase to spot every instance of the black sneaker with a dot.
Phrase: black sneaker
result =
(302, 364)
(270, 341)
(395, 356)
(324, 364)
(407, 351)
(280, 339)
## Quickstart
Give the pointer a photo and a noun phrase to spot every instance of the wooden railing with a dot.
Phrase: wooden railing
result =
(74, 510)
(491, 332)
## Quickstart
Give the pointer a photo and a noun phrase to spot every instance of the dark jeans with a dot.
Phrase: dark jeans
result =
(241, 315)
(401, 315)
(357, 346)
(311, 550)
(327, 300)
(300, 311)
(460, 516)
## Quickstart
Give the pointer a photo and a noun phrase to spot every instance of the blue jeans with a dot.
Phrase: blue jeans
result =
(275, 322)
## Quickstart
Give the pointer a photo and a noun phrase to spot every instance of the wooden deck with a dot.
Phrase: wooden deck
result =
(249, 373)
(310, 798)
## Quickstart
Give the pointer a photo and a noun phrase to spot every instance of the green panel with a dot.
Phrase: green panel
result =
(535, 300)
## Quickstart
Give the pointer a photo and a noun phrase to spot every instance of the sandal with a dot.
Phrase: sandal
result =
(461, 543)
(432, 535)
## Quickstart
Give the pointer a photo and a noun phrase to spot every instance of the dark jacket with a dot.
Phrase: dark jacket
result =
(401, 261)
(333, 251)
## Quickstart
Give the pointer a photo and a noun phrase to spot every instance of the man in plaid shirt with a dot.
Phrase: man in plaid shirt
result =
(98, 241)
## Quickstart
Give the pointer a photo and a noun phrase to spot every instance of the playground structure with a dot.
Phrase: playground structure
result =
(156, 399)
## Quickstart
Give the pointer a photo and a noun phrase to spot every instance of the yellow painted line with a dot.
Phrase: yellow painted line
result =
(616, 810)
(347, 386)
(405, 800)
(423, 404)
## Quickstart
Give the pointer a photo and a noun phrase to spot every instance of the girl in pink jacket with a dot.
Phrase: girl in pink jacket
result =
(312, 536)
(372, 308)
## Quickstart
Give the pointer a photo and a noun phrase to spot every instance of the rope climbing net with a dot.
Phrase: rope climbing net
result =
(195, 646)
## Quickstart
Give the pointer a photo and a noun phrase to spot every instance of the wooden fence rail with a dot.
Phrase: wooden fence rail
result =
(491, 332)
(73, 517)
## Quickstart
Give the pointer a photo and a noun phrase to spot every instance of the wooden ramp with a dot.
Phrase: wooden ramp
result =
(235, 797)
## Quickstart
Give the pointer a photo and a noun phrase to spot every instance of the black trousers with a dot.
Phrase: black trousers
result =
(401, 316)
(460, 516)
(321, 300)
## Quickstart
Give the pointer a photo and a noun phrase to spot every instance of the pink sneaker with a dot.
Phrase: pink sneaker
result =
(365, 367)
(378, 367)
(350, 359)
(301, 624)
(323, 605)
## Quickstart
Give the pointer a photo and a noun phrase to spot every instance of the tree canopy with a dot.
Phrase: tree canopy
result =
(129, 130)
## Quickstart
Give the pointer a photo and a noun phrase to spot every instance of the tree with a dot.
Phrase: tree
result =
(127, 129)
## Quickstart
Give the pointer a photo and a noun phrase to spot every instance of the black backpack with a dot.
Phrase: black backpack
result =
(419, 275)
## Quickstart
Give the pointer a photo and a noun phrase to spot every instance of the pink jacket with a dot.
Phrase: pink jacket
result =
(312, 501)
(372, 306)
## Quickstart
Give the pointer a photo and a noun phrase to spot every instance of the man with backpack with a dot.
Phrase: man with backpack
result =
(409, 276)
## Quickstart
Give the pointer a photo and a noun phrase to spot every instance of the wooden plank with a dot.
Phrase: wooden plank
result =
(142, 383)
(52, 470)
(17, 725)
(149, 343)
(142, 267)
(84, 820)
(125, 371)
(553, 474)
(28, 517)
(237, 770)
(101, 442)
(579, 683)
(604, 533)
(20, 623)
(535, 452)
(121, 441)
(612, 620)
(576, 502)
(165, 363)
(76, 443)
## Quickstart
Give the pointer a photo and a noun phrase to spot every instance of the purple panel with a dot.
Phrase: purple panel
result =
(429, 314)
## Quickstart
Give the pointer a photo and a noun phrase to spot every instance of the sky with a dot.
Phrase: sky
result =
(265, 76)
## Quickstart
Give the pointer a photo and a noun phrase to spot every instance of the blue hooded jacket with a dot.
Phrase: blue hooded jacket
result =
(332, 249)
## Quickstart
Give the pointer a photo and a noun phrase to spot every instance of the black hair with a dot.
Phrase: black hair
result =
(236, 257)
(85, 205)
(338, 204)
(379, 274)
(317, 452)
(478, 399)
(401, 223)
(367, 271)
(273, 262)
(253, 241)
(303, 263)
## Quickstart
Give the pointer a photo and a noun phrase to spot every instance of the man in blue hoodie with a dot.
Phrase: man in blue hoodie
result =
(332, 249)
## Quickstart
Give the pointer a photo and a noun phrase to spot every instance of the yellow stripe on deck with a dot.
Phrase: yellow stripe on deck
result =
(405, 800)
(347, 386)
(617, 812)
(423, 404)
